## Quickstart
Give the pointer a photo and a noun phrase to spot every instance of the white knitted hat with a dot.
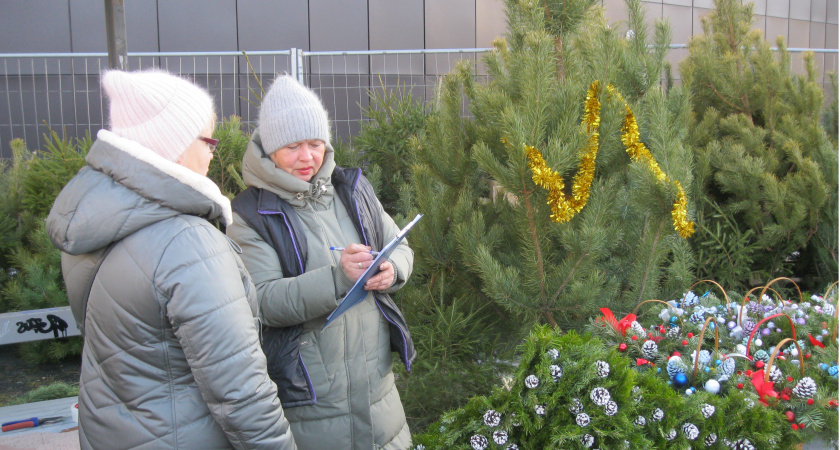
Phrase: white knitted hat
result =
(159, 110)
(289, 113)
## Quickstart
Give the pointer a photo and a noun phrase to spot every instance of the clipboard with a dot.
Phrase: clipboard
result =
(358, 293)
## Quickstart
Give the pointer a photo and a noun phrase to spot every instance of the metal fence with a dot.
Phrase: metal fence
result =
(61, 92)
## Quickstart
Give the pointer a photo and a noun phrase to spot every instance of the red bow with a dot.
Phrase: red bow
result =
(642, 362)
(763, 388)
(815, 342)
(619, 325)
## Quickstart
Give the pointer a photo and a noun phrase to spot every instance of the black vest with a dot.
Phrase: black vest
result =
(277, 223)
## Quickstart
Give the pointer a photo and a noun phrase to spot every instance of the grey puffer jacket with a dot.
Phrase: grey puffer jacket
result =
(172, 356)
(349, 362)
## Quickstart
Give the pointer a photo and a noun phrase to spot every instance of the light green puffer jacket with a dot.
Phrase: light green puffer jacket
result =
(172, 356)
(349, 363)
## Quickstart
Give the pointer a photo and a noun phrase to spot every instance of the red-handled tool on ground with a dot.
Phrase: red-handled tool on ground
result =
(29, 423)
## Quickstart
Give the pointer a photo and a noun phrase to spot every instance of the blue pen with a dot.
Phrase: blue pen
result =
(341, 249)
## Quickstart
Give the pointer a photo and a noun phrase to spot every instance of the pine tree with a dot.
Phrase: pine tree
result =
(766, 167)
(488, 235)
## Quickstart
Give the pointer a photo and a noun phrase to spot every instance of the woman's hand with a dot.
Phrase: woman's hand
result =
(355, 259)
(382, 280)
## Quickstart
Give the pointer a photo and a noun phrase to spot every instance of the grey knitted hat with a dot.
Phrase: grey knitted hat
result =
(289, 113)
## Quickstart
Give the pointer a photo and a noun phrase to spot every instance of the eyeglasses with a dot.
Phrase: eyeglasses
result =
(212, 143)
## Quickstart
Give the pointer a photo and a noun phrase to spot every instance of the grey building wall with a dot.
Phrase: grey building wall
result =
(65, 92)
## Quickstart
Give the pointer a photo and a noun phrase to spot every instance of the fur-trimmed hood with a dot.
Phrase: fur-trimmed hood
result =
(126, 187)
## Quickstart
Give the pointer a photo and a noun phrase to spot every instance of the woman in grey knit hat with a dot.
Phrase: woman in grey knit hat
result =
(335, 383)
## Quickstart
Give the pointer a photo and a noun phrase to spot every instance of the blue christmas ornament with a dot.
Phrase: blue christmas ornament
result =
(680, 379)
(658, 369)
(717, 362)
(673, 319)
(692, 389)
(823, 366)
(707, 370)
(712, 326)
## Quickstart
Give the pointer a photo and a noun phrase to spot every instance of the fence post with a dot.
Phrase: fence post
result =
(293, 63)
(115, 29)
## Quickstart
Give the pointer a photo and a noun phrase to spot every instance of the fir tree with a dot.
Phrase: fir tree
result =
(488, 235)
(766, 167)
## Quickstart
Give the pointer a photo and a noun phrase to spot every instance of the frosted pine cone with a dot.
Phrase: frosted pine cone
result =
(531, 381)
(697, 317)
(637, 394)
(540, 410)
(637, 328)
(611, 408)
(582, 419)
(707, 410)
(673, 332)
(512, 447)
(776, 374)
(710, 439)
(748, 326)
(553, 353)
(761, 355)
(492, 418)
(675, 366)
(805, 388)
(650, 349)
(576, 407)
(727, 367)
(640, 421)
(742, 444)
(671, 435)
(587, 440)
(500, 437)
(478, 442)
(603, 368)
(690, 431)
(657, 415)
(599, 396)
(555, 371)
(704, 359)
(689, 299)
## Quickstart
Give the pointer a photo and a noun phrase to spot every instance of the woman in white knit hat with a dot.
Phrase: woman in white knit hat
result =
(335, 383)
(172, 357)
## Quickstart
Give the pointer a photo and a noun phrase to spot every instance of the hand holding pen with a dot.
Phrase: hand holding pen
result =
(355, 260)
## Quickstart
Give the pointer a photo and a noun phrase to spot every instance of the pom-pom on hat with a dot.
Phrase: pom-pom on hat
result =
(290, 113)
(161, 111)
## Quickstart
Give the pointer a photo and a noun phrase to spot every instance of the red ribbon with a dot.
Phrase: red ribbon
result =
(619, 325)
(815, 342)
(763, 388)
(642, 362)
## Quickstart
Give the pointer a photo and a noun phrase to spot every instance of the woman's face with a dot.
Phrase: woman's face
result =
(302, 159)
(198, 155)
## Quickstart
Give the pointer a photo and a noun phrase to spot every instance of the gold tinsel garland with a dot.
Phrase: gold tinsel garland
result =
(563, 207)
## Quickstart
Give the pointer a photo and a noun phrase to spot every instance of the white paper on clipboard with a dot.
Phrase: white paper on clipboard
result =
(358, 293)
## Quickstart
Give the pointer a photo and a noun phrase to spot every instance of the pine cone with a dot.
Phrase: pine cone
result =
(599, 396)
(707, 410)
(742, 444)
(748, 326)
(776, 374)
(611, 408)
(478, 442)
(555, 371)
(690, 431)
(710, 439)
(673, 332)
(657, 415)
(576, 407)
(587, 440)
(637, 393)
(805, 388)
(582, 419)
(531, 381)
(637, 328)
(727, 367)
(553, 353)
(697, 317)
(512, 447)
(492, 418)
(640, 421)
(675, 366)
(500, 437)
(649, 350)
(761, 355)
(540, 410)
(671, 435)
(603, 368)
